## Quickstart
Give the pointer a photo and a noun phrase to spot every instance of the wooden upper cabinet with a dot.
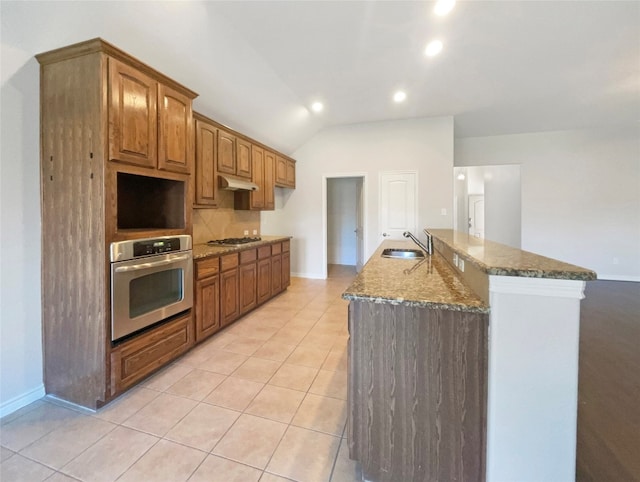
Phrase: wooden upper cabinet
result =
(132, 115)
(150, 123)
(281, 171)
(206, 158)
(291, 173)
(226, 152)
(243, 159)
(257, 166)
(175, 128)
(285, 172)
(269, 181)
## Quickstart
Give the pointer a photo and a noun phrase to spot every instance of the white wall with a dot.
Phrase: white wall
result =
(425, 145)
(580, 193)
(500, 186)
(20, 334)
(341, 221)
(502, 205)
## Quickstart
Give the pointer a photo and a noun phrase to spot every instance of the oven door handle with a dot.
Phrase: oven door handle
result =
(154, 264)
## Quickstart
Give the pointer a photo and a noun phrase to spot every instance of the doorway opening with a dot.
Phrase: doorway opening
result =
(344, 224)
(487, 203)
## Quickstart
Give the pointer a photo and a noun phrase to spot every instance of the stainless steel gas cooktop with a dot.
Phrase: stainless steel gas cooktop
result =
(233, 241)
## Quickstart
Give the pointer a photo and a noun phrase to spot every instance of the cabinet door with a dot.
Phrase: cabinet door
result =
(264, 280)
(248, 287)
(133, 123)
(243, 158)
(291, 173)
(281, 171)
(175, 151)
(276, 274)
(286, 269)
(269, 185)
(226, 152)
(229, 309)
(207, 302)
(257, 176)
(206, 174)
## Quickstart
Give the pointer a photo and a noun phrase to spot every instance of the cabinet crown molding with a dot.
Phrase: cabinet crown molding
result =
(97, 45)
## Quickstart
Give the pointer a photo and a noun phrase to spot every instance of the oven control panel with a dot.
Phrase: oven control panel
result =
(155, 246)
(137, 248)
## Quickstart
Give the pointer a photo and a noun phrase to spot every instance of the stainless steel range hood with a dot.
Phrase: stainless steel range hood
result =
(234, 184)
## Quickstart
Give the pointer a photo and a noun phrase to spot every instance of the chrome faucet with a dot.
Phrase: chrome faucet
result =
(427, 249)
(429, 240)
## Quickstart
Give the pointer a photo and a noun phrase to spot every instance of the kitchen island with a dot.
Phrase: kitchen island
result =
(463, 365)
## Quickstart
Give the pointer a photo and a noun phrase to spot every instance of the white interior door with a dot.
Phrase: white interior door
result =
(359, 226)
(476, 215)
(398, 203)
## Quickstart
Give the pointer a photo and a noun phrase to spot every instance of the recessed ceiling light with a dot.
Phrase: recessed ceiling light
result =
(317, 107)
(399, 96)
(433, 48)
(443, 7)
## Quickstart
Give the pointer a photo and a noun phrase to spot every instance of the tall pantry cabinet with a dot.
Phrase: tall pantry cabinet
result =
(116, 153)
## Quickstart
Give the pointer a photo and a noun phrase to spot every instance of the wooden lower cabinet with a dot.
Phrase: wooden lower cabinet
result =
(229, 303)
(248, 273)
(286, 264)
(133, 360)
(285, 278)
(263, 287)
(231, 285)
(276, 274)
(207, 304)
(229, 289)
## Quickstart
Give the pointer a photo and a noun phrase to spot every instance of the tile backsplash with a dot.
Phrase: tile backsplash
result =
(223, 222)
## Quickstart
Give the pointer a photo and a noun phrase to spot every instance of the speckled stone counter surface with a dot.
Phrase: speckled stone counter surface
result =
(204, 250)
(498, 259)
(429, 282)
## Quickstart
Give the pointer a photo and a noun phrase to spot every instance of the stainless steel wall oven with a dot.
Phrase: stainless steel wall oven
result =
(151, 280)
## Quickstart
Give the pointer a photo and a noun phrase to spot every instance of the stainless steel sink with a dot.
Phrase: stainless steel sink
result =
(402, 253)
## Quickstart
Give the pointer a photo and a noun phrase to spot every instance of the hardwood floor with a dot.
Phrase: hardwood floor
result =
(608, 445)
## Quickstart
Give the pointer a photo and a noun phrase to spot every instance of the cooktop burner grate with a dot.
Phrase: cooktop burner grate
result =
(233, 241)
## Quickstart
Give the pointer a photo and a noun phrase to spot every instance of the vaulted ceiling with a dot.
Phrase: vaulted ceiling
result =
(506, 66)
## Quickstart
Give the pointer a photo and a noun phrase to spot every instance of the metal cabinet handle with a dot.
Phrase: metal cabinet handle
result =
(154, 264)
(385, 235)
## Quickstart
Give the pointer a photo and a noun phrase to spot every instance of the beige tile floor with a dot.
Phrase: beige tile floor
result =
(263, 400)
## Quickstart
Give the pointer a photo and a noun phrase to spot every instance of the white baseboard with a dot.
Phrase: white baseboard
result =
(308, 275)
(20, 401)
(618, 277)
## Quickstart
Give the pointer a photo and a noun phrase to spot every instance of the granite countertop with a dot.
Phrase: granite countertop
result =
(499, 259)
(429, 282)
(204, 250)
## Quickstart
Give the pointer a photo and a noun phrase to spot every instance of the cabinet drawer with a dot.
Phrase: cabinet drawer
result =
(285, 246)
(137, 358)
(248, 256)
(264, 252)
(276, 248)
(228, 261)
(207, 267)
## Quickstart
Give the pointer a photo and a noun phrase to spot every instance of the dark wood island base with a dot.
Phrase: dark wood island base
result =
(417, 392)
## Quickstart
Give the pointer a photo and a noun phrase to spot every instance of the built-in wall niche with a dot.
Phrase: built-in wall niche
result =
(150, 202)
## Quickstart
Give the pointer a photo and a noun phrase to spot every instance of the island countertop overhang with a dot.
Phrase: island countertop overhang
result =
(502, 260)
